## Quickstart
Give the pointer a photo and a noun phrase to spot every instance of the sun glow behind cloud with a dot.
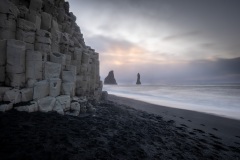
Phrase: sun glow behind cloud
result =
(155, 35)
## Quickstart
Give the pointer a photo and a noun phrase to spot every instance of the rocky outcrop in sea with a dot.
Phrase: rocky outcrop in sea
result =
(110, 79)
(45, 64)
(138, 79)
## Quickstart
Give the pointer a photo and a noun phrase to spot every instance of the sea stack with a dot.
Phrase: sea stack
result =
(138, 79)
(110, 79)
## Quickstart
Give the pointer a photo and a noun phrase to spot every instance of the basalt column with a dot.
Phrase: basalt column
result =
(44, 59)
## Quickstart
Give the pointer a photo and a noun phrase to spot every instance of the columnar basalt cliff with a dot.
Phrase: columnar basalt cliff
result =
(110, 78)
(44, 61)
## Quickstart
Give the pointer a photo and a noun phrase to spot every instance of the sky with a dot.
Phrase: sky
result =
(166, 41)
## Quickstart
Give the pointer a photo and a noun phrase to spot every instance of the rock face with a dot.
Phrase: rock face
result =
(110, 78)
(138, 79)
(43, 56)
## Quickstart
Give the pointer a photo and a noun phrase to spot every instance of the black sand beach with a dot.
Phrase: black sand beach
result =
(116, 131)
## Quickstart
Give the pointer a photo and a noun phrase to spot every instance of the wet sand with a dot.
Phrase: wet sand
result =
(116, 131)
(227, 129)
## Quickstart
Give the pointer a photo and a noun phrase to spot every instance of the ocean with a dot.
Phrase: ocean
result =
(221, 100)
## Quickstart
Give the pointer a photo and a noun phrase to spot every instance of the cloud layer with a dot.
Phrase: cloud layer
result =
(173, 38)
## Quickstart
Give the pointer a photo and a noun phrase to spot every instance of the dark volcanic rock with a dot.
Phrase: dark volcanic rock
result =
(114, 132)
(110, 78)
(138, 79)
(104, 96)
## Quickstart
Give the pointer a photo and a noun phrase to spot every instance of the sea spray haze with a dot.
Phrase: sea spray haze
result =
(222, 100)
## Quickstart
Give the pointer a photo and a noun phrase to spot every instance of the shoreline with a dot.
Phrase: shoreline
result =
(188, 110)
(174, 106)
(226, 128)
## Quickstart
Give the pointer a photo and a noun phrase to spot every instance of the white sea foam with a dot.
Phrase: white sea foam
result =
(221, 100)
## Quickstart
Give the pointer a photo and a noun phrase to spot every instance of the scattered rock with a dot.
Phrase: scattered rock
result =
(46, 104)
(6, 106)
(104, 96)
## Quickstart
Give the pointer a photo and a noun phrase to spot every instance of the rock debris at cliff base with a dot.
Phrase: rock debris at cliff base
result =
(114, 132)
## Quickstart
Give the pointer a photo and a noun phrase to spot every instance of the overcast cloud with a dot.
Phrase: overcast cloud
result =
(163, 40)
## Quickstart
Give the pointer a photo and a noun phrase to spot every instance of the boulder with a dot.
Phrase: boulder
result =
(90, 108)
(52, 70)
(110, 78)
(13, 96)
(83, 100)
(34, 65)
(22, 108)
(5, 107)
(27, 94)
(30, 83)
(15, 56)
(46, 104)
(40, 89)
(62, 104)
(104, 96)
(2, 92)
(83, 109)
(32, 107)
(68, 88)
(75, 106)
(46, 21)
(55, 87)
